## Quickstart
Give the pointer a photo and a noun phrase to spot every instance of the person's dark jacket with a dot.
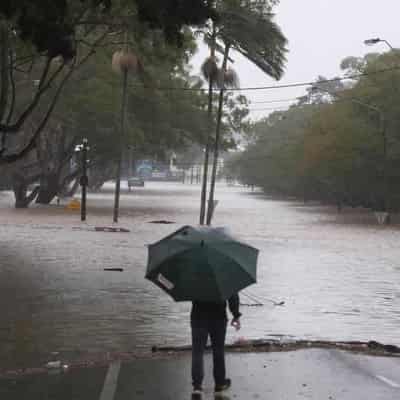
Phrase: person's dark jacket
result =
(207, 310)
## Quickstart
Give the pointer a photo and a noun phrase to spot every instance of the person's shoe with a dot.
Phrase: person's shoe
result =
(197, 392)
(221, 389)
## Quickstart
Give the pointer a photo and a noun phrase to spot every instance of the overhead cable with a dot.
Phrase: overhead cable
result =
(284, 86)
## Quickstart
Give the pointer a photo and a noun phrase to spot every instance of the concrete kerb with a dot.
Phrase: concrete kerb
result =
(371, 348)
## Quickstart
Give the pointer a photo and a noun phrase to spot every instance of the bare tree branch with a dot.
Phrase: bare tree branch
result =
(9, 158)
(20, 62)
(6, 159)
(5, 128)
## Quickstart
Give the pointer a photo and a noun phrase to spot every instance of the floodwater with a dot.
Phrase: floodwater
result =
(338, 274)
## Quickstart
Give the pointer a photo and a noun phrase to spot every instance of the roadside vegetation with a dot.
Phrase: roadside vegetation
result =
(58, 85)
(339, 144)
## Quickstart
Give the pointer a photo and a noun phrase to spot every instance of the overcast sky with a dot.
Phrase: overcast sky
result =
(320, 33)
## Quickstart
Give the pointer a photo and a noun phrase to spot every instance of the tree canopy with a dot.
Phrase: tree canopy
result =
(50, 25)
(340, 144)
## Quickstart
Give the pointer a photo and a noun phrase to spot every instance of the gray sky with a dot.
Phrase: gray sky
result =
(321, 33)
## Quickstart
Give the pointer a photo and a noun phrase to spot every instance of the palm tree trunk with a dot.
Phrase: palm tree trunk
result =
(208, 140)
(210, 209)
(119, 161)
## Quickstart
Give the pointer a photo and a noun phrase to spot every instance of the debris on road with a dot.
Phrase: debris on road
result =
(114, 269)
(110, 229)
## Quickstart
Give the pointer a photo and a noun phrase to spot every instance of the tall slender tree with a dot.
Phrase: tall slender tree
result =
(249, 29)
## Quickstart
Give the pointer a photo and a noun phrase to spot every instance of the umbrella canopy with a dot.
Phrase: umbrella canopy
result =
(201, 263)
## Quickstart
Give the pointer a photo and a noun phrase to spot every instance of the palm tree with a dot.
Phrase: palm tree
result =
(210, 72)
(227, 78)
(251, 31)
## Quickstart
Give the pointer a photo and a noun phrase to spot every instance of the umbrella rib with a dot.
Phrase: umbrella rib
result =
(215, 277)
(235, 241)
(233, 260)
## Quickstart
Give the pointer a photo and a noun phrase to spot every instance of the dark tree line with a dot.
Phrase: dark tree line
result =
(339, 144)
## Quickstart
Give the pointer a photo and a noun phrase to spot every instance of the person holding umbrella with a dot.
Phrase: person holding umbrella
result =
(210, 319)
(209, 267)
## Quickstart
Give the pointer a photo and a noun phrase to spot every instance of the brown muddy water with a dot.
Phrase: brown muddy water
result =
(339, 275)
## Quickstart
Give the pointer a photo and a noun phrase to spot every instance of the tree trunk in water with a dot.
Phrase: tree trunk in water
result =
(20, 189)
(210, 209)
(49, 188)
(206, 157)
(208, 140)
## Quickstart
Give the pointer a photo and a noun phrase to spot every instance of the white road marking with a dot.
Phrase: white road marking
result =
(388, 381)
(110, 383)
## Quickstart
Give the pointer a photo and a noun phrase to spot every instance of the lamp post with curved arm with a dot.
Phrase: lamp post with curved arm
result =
(373, 41)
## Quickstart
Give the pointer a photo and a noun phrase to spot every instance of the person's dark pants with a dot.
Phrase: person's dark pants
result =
(200, 331)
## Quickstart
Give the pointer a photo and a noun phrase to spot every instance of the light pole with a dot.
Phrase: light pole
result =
(373, 41)
(83, 181)
(123, 62)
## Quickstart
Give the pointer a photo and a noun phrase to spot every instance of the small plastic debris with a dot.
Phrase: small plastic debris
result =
(74, 204)
(53, 365)
(114, 269)
(110, 229)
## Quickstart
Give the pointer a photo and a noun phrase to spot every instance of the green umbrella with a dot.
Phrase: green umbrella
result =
(201, 263)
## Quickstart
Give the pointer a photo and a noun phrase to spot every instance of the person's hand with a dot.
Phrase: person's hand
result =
(236, 323)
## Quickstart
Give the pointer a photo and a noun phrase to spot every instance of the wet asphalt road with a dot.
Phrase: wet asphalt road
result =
(304, 374)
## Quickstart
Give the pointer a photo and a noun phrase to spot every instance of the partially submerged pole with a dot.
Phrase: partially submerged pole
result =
(119, 161)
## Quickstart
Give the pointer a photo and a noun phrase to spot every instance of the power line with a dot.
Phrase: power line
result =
(313, 83)
(334, 101)
(305, 95)
(285, 86)
(270, 108)
(274, 101)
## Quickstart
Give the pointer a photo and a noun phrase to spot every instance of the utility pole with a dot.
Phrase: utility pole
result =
(119, 162)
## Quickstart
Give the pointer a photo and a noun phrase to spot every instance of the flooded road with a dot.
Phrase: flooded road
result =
(339, 275)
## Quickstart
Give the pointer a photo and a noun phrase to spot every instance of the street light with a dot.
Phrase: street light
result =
(83, 181)
(373, 41)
